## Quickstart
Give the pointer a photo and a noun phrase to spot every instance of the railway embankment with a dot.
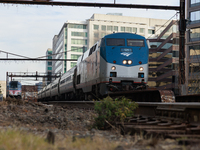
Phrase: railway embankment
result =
(72, 128)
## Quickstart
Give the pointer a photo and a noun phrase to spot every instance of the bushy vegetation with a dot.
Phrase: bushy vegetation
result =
(111, 111)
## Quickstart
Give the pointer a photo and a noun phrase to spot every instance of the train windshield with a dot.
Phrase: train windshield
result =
(13, 84)
(135, 42)
(115, 42)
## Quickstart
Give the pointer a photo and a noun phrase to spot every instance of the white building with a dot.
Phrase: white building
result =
(48, 65)
(74, 35)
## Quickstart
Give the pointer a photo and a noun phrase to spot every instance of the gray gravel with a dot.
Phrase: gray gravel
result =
(39, 119)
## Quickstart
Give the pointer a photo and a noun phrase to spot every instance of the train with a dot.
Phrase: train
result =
(14, 89)
(118, 62)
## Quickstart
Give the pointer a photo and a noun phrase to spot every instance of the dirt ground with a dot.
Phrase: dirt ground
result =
(39, 119)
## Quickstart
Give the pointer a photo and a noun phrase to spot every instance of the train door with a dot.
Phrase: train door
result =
(75, 79)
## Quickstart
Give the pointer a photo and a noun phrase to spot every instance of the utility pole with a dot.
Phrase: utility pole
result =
(182, 29)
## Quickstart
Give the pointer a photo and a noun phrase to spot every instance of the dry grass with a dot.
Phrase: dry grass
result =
(17, 140)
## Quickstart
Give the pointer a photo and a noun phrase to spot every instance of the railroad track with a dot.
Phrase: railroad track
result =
(175, 120)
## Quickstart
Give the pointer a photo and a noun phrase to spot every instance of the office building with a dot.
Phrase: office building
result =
(193, 47)
(76, 36)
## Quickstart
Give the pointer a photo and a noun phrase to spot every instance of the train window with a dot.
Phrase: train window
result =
(135, 42)
(115, 42)
(92, 49)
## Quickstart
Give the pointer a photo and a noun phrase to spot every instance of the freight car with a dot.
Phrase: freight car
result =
(116, 63)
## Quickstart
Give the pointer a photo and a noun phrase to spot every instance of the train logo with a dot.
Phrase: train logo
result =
(126, 51)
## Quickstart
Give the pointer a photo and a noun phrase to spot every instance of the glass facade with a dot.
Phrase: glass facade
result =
(193, 47)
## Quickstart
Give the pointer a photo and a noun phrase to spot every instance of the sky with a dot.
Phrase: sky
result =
(28, 30)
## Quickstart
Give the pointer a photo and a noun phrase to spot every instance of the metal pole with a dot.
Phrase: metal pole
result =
(182, 29)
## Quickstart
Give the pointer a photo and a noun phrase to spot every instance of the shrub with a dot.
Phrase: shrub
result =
(113, 110)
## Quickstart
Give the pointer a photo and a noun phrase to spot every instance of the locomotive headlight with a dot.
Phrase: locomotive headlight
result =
(129, 62)
(124, 62)
(113, 67)
(141, 69)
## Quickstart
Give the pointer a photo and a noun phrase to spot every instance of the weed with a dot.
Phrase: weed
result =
(112, 111)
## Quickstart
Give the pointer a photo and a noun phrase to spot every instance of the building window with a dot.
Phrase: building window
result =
(77, 26)
(78, 49)
(109, 28)
(79, 41)
(73, 64)
(103, 28)
(96, 27)
(175, 53)
(49, 68)
(194, 34)
(194, 68)
(128, 29)
(194, 17)
(134, 30)
(96, 35)
(194, 3)
(123, 29)
(194, 52)
(81, 34)
(150, 31)
(142, 30)
(49, 63)
(115, 28)
(73, 56)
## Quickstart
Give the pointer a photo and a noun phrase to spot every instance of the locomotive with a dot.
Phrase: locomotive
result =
(14, 89)
(116, 63)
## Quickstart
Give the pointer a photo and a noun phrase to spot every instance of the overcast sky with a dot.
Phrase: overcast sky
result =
(28, 30)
